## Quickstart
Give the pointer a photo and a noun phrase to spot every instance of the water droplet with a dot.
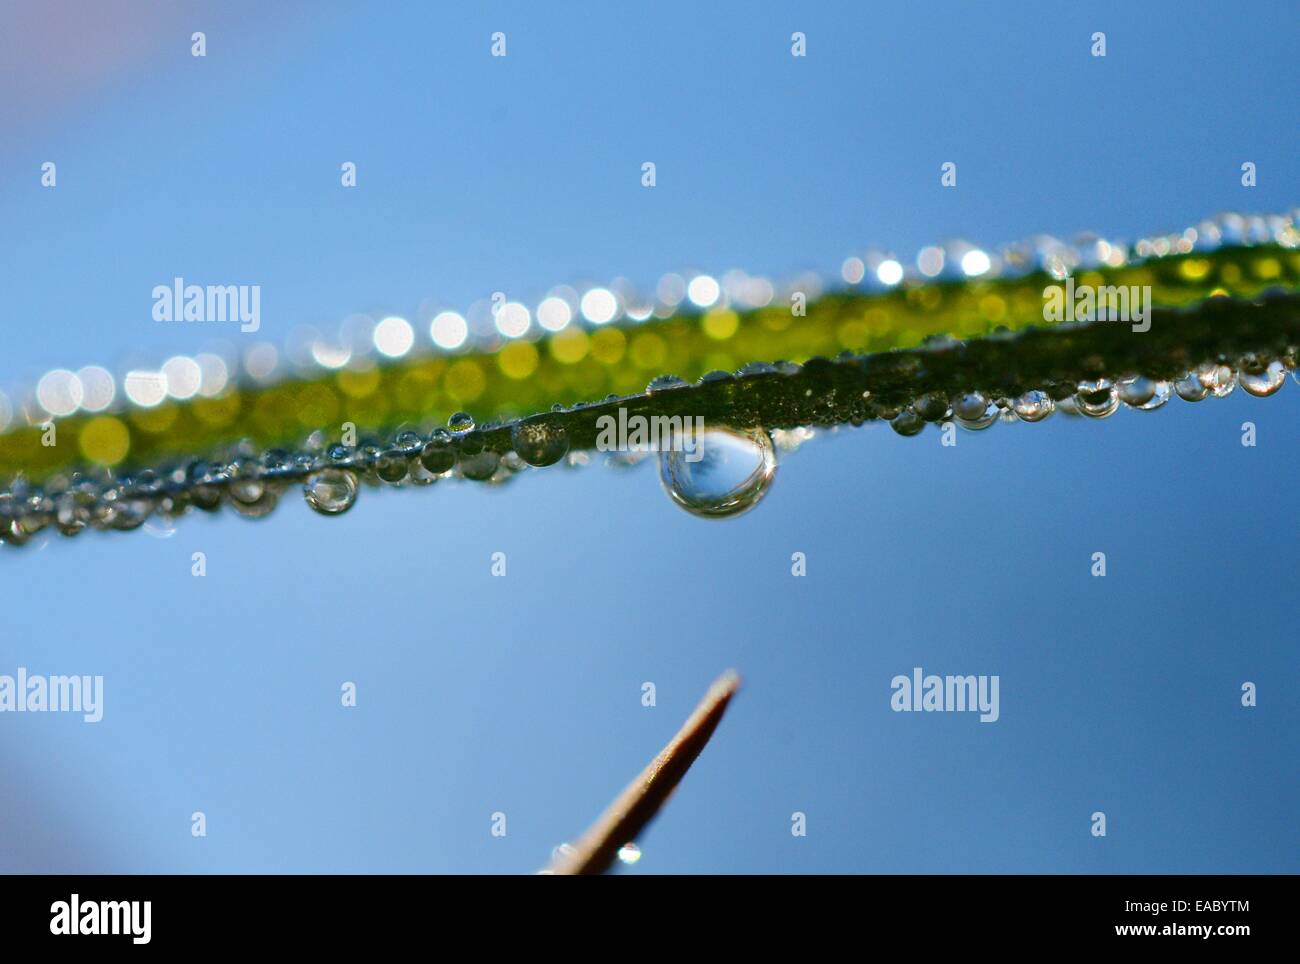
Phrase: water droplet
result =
(1142, 393)
(437, 455)
(1190, 389)
(469, 443)
(973, 411)
(419, 475)
(73, 512)
(1097, 399)
(629, 853)
(1034, 405)
(202, 495)
(726, 471)
(932, 406)
(539, 442)
(12, 533)
(330, 491)
(408, 442)
(789, 439)
(907, 423)
(480, 467)
(257, 508)
(664, 383)
(275, 463)
(245, 486)
(1262, 381)
(391, 467)
(461, 422)
(1219, 379)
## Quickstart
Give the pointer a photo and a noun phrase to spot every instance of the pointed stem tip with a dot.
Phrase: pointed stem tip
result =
(637, 805)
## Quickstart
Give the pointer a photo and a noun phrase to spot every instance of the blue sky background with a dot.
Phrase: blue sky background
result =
(522, 694)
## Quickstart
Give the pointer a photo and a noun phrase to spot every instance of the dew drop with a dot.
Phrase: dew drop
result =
(540, 442)
(330, 491)
(726, 472)
(391, 467)
(907, 423)
(408, 442)
(664, 383)
(202, 495)
(973, 411)
(629, 853)
(257, 508)
(1219, 379)
(461, 422)
(160, 530)
(1190, 389)
(469, 443)
(72, 512)
(709, 378)
(1142, 393)
(274, 464)
(12, 533)
(1097, 399)
(420, 475)
(932, 406)
(1034, 405)
(245, 485)
(437, 455)
(1262, 381)
(481, 466)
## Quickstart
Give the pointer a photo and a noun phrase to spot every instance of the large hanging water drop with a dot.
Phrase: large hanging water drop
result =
(330, 491)
(720, 472)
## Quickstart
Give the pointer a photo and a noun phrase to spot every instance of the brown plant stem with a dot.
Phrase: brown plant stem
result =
(637, 805)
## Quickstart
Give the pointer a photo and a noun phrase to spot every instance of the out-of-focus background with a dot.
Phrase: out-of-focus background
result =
(523, 694)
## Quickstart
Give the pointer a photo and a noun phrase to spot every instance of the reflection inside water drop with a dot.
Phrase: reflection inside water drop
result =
(720, 472)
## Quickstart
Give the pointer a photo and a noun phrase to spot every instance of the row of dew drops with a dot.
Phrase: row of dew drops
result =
(725, 472)
(360, 340)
